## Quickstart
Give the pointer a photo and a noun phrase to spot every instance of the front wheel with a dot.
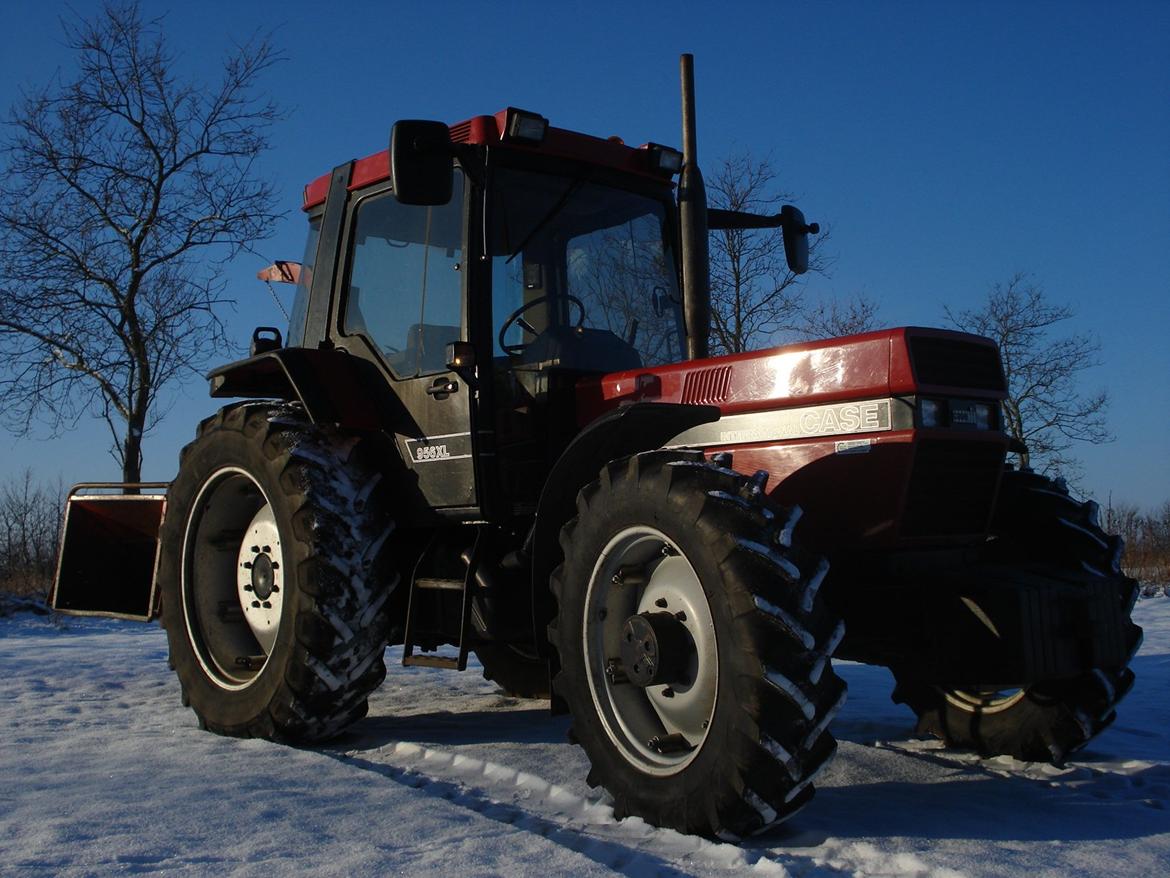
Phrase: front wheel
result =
(273, 596)
(694, 649)
(1038, 526)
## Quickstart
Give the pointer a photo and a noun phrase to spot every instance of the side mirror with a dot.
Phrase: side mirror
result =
(796, 232)
(420, 162)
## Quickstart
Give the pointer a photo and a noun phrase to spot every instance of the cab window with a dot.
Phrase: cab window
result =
(300, 308)
(405, 281)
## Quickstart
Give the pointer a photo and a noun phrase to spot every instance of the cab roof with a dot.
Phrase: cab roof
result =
(488, 130)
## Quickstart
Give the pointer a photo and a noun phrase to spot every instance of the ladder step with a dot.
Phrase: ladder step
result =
(431, 661)
(439, 584)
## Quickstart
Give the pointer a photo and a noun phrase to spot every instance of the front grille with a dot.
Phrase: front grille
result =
(953, 363)
(952, 488)
(707, 386)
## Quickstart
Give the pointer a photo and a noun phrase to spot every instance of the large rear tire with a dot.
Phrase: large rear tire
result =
(1037, 524)
(273, 595)
(731, 742)
(518, 673)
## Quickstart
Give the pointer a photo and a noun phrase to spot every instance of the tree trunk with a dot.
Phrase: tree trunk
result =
(132, 452)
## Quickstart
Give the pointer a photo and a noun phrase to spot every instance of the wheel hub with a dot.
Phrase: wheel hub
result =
(263, 580)
(656, 689)
(260, 577)
(656, 649)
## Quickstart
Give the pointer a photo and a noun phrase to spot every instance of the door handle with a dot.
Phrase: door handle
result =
(442, 388)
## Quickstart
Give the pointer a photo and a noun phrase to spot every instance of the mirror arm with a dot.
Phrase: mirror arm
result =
(736, 219)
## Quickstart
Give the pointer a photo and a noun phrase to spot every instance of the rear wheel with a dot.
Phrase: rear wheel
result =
(272, 593)
(1038, 524)
(694, 649)
(519, 673)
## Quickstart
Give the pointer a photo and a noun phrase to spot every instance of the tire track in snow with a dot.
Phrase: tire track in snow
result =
(631, 847)
(1135, 780)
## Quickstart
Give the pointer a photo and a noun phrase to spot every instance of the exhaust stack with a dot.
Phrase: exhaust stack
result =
(692, 206)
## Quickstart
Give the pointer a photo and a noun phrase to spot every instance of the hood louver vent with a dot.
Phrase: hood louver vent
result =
(707, 386)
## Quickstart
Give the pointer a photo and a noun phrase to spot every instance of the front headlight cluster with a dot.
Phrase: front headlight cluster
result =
(961, 414)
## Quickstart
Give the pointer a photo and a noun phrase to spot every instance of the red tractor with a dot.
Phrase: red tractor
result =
(493, 426)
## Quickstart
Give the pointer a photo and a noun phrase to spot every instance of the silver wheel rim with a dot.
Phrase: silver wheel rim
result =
(989, 701)
(232, 578)
(642, 570)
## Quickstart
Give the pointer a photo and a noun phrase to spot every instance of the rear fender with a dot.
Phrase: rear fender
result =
(334, 388)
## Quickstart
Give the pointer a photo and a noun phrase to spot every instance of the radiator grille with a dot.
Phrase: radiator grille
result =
(707, 386)
(952, 488)
(955, 363)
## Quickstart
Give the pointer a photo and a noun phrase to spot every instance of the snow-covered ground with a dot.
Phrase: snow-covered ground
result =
(103, 772)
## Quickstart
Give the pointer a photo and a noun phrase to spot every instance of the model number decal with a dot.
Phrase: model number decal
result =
(432, 449)
(431, 452)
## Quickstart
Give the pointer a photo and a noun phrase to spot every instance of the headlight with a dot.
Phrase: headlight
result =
(930, 412)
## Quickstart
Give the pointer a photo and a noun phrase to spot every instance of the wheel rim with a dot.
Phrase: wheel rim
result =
(659, 728)
(983, 700)
(232, 578)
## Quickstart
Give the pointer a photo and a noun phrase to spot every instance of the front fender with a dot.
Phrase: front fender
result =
(618, 433)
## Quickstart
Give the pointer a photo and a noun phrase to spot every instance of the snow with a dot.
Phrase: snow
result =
(103, 772)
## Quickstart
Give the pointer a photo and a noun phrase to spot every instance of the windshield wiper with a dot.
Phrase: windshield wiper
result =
(569, 192)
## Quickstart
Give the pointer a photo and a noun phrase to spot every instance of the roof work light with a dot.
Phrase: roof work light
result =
(524, 126)
(664, 159)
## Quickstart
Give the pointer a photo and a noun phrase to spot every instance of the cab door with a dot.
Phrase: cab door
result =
(403, 296)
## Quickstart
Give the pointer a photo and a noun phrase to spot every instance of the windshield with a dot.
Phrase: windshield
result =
(582, 273)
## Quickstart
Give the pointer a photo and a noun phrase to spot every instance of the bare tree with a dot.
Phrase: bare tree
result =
(30, 522)
(754, 297)
(1045, 408)
(125, 189)
(1147, 542)
(832, 319)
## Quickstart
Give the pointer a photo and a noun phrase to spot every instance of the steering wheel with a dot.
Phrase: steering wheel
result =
(517, 316)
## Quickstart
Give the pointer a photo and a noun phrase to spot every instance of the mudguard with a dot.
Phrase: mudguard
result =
(334, 387)
(618, 433)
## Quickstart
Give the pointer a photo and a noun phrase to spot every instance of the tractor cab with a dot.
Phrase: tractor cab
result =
(481, 287)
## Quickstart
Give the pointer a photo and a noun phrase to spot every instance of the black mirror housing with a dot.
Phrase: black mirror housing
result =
(421, 172)
(795, 232)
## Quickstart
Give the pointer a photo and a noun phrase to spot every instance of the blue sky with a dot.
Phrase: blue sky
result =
(950, 145)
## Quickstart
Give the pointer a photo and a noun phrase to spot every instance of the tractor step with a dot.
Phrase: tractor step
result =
(465, 587)
(439, 584)
(432, 661)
